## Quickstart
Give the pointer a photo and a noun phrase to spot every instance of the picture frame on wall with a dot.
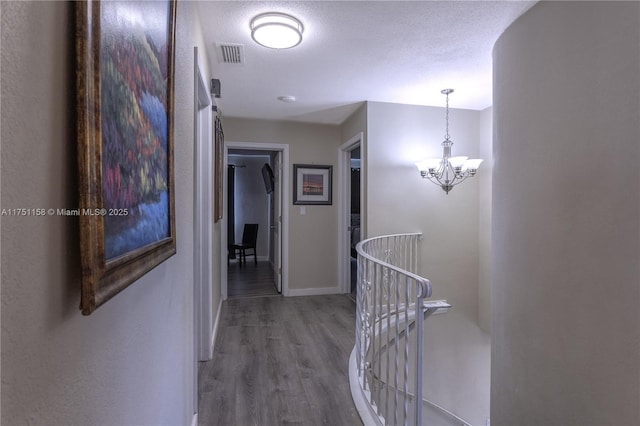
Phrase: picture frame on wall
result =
(125, 78)
(312, 184)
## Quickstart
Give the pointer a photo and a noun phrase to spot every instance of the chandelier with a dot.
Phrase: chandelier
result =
(448, 171)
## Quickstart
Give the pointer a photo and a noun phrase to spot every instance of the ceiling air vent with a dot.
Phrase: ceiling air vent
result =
(230, 53)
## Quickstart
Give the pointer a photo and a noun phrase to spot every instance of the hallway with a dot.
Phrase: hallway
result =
(279, 361)
(250, 280)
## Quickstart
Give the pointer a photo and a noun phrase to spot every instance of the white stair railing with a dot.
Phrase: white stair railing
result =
(386, 363)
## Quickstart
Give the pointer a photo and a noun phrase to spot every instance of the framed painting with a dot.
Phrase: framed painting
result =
(124, 71)
(312, 184)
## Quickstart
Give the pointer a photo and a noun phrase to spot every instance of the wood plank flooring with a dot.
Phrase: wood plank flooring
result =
(280, 361)
(250, 280)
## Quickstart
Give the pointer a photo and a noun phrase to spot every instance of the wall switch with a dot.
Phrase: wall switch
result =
(303, 210)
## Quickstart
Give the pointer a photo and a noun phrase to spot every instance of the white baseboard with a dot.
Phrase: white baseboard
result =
(216, 324)
(318, 291)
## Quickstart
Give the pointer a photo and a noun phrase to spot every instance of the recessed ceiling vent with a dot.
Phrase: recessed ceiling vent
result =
(229, 53)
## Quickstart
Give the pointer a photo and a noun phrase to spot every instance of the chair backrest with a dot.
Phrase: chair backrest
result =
(250, 234)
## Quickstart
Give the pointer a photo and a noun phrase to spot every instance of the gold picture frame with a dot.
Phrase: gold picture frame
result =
(125, 78)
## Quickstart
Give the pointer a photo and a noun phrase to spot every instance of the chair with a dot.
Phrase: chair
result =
(249, 239)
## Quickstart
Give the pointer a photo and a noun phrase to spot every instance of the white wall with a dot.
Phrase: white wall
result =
(313, 237)
(484, 219)
(566, 216)
(399, 200)
(132, 361)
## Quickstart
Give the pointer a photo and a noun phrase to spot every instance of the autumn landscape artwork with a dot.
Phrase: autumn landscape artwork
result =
(134, 121)
(124, 79)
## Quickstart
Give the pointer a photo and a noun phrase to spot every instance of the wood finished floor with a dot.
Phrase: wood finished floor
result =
(250, 279)
(280, 361)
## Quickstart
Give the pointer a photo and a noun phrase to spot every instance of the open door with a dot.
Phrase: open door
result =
(276, 224)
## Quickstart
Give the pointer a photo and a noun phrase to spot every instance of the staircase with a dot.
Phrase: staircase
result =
(385, 369)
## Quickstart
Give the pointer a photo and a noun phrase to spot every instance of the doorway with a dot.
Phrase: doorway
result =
(355, 217)
(251, 220)
(351, 196)
(256, 187)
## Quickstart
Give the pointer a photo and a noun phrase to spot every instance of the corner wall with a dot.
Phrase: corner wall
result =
(132, 361)
(566, 214)
(485, 177)
(352, 126)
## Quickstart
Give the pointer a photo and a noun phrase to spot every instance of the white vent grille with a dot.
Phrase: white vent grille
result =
(230, 53)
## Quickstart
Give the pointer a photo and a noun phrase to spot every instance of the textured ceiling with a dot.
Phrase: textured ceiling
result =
(355, 51)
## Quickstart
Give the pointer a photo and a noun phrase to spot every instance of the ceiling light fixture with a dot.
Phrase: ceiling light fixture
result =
(448, 171)
(276, 30)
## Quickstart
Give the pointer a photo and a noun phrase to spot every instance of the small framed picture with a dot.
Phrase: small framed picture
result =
(312, 184)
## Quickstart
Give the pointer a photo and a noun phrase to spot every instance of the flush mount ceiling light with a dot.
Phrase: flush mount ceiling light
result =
(448, 171)
(276, 30)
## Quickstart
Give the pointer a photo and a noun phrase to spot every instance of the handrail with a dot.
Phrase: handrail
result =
(425, 284)
(385, 367)
(390, 304)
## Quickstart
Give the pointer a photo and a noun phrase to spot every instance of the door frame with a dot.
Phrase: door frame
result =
(284, 232)
(203, 209)
(344, 240)
(202, 228)
(276, 205)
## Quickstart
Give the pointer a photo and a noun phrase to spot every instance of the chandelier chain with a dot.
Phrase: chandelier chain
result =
(446, 135)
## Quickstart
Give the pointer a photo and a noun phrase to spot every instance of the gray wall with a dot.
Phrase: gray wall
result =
(132, 361)
(566, 216)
